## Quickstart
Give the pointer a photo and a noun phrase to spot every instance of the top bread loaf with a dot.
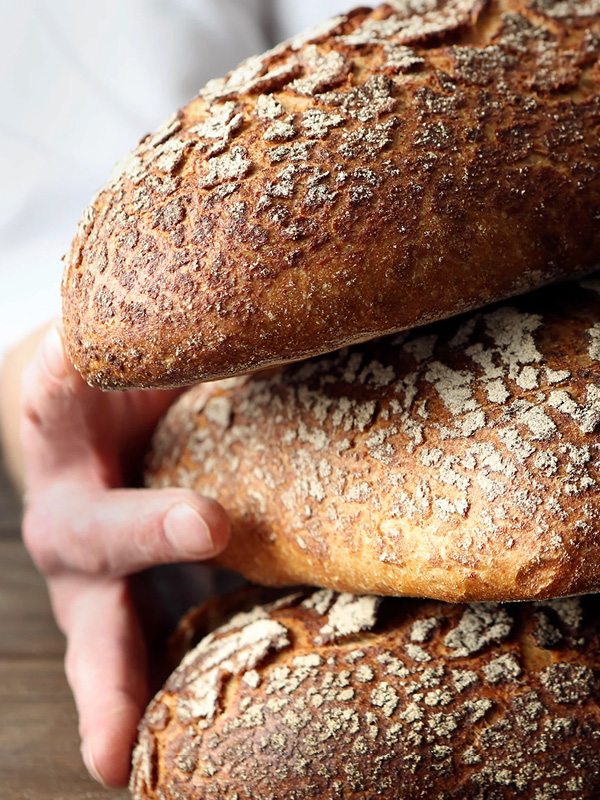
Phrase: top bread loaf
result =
(392, 167)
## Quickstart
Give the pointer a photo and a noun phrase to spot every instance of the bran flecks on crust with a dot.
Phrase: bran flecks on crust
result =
(461, 460)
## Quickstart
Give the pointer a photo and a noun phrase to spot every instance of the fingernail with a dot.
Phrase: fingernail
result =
(53, 354)
(90, 764)
(187, 531)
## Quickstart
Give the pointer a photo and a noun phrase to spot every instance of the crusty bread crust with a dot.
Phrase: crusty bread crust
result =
(345, 698)
(393, 167)
(460, 462)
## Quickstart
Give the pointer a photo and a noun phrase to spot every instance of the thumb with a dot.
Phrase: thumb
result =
(117, 532)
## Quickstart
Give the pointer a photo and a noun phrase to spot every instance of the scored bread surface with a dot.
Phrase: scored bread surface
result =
(461, 461)
(340, 697)
(392, 167)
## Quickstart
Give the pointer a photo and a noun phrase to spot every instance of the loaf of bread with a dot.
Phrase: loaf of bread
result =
(460, 462)
(391, 168)
(338, 697)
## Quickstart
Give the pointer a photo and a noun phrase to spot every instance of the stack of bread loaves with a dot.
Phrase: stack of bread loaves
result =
(395, 167)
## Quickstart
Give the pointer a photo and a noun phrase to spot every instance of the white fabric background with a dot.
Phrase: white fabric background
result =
(80, 82)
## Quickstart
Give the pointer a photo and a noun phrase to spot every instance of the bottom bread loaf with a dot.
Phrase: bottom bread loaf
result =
(338, 697)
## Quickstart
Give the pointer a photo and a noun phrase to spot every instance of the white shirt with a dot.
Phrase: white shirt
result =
(82, 81)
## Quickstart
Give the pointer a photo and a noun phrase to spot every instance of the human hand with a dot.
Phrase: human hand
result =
(86, 534)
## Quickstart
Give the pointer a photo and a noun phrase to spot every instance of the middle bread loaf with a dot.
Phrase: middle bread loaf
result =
(459, 462)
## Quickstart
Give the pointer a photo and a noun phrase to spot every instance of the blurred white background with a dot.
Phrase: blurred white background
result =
(80, 82)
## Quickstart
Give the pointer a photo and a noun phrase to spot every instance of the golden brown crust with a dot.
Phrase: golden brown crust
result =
(460, 462)
(395, 167)
(344, 698)
(212, 614)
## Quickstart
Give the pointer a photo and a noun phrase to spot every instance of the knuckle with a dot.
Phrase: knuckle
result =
(73, 545)
(44, 394)
(96, 564)
(39, 542)
(30, 405)
(151, 543)
(87, 548)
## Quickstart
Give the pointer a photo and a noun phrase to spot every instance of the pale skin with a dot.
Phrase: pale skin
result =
(71, 449)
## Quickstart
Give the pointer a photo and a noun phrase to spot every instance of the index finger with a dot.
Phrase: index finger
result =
(55, 419)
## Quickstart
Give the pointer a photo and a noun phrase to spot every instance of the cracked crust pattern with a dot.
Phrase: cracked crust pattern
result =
(393, 167)
(406, 699)
(461, 461)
